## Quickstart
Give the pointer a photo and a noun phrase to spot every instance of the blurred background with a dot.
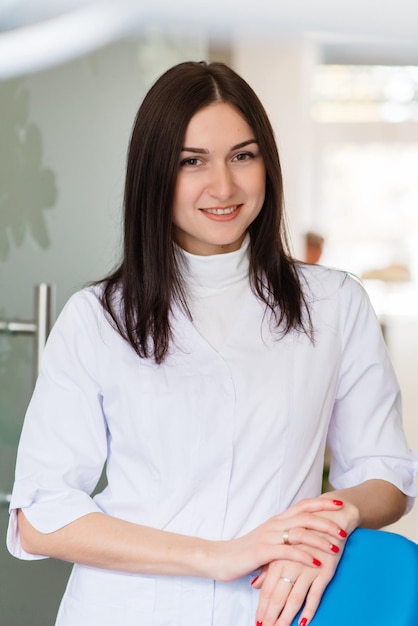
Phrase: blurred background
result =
(340, 83)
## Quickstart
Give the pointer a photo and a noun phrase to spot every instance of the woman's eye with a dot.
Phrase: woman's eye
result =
(191, 162)
(243, 156)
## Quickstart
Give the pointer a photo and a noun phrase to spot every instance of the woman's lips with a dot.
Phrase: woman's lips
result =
(222, 214)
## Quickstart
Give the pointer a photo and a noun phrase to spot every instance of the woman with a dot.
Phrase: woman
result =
(207, 373)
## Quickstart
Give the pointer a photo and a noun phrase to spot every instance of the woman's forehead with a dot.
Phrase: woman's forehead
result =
(215, 122)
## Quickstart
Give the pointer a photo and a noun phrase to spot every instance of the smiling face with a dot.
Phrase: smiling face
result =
(220, 185)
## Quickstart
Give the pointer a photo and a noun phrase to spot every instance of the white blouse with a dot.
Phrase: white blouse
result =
(211, 443)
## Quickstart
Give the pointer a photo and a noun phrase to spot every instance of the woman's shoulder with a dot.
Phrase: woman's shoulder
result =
(322, 280)
(82, 326)
(84, 300)
(93, 296)
(84, 307)
(337, 289)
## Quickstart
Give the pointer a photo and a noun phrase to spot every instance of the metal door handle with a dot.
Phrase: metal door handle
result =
(40, 327)
(5, 498)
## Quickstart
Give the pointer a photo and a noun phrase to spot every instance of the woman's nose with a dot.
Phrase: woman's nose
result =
(221, 184)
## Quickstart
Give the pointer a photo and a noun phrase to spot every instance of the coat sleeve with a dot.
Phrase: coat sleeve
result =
(63, 444)
(366, 435)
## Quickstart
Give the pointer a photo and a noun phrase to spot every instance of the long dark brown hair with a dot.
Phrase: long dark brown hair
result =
(140, 293)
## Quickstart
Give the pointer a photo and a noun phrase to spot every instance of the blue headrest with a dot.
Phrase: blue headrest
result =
(376, 583)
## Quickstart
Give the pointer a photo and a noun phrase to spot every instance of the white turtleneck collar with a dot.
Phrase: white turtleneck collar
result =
(218, 271)
(217, 287)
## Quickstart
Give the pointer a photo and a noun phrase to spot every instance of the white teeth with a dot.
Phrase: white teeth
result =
(226, 211)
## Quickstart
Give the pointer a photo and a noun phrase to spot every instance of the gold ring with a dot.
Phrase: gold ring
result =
(286, 537)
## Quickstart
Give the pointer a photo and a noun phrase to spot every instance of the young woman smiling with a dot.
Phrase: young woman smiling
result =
(207, 373)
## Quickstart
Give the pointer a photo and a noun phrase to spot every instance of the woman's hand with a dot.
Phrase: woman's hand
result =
(309, 537)
(285, 585)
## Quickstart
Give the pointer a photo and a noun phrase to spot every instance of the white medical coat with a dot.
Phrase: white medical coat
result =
(210, 443)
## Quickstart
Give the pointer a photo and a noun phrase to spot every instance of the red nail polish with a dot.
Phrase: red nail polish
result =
(334, 548)
(338, 502)
(259, 624)
(316, 562)
(255, 579)
(342, 533)
(303, 621)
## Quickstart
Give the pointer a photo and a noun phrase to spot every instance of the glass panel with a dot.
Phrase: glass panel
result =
(16, 354)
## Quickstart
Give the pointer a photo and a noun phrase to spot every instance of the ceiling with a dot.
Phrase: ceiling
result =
(39, 33)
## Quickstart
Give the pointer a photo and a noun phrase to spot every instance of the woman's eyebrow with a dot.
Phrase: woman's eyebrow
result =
(195, 150)
(238, 146)
(243, 144)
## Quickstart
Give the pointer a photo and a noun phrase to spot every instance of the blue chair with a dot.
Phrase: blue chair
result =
(376, 583)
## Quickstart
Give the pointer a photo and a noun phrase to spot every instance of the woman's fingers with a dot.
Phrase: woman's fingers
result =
(316, 522)
(313, 599)
(306, 521)
(305, 537)
(313, 505)
(296, 554)
(282, 594)
(258, 581)
(287, 586)
(285, 589)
